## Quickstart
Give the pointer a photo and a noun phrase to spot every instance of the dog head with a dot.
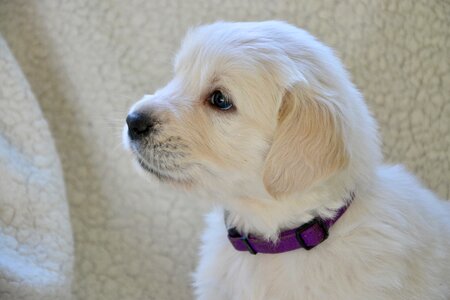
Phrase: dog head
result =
(253, 108)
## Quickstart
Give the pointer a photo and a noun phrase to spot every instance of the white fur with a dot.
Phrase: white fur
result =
(394, 240)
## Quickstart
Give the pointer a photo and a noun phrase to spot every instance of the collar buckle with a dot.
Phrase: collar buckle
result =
(233, 233)
(301, 233)
(248, 245)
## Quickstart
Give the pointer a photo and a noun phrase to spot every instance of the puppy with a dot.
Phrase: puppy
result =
(265, 118)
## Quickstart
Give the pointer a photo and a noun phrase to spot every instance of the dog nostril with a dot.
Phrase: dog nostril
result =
(139, 125)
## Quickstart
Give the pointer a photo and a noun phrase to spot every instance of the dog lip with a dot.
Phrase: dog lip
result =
(161, 176)
(149, 169)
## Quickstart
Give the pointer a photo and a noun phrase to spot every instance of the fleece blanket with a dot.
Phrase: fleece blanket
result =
(77, 221)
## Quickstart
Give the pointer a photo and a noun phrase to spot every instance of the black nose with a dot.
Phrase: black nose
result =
(139, 125)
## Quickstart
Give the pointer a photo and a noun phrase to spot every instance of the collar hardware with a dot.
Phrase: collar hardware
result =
(249, 246)
(308, 228)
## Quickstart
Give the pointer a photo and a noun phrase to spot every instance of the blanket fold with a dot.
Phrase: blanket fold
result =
(36, 249)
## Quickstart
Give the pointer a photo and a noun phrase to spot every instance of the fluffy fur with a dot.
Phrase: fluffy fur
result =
(297, 141)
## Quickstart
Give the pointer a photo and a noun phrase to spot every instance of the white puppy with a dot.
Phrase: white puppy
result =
(266, 119)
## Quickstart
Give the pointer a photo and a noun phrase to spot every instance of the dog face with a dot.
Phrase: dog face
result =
(259, 106)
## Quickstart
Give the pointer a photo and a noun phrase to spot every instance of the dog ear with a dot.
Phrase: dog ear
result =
(308, 144)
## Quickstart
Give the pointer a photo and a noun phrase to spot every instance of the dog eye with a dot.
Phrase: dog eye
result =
(220, 101)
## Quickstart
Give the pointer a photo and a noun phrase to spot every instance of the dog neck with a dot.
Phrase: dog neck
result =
(267, 217)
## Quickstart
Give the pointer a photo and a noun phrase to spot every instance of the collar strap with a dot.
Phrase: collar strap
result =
(306, 236)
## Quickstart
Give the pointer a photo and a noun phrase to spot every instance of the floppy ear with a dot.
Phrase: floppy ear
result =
(308, 145)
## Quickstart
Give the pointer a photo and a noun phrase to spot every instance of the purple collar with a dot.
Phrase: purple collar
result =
(306, 236)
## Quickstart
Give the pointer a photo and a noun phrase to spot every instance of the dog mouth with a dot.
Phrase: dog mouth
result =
(161, 164)
(152, 170)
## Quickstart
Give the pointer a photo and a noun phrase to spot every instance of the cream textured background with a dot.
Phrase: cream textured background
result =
(84, 62)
